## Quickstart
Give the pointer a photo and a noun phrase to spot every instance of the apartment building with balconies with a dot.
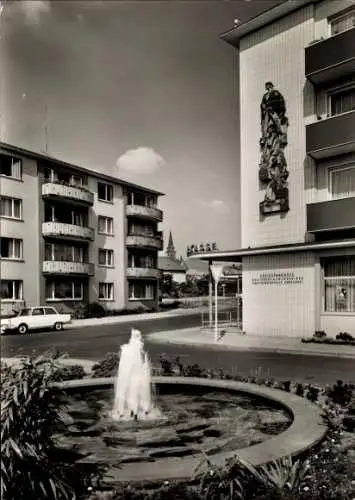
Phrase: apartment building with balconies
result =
(72, 236)
(297, 163)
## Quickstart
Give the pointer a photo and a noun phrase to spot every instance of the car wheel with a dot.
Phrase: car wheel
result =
(23, 329)
(58, 326)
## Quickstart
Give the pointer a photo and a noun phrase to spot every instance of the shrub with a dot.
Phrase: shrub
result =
(345, 337)
(312, 394)
(319, 334)
(30, 414)
(340, 393)
(73, 372)
(94, 310)
(108, 366)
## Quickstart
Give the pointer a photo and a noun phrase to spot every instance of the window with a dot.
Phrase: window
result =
(342, 22)
(137, 198)
(10, 207)
(64, 290)
(105, 257)
(10, 248)
(10, 167)
(141, 230)
(105, 291)
(57, 213)
(143, 291)
(339, 285)
(25, 312)
(145, 261)
(66, 178)
(342, 182)
(64, 253)
(342, 101)
(11, 290)
(104, 192)
(105, 225)
(49, 310)
(38, 311)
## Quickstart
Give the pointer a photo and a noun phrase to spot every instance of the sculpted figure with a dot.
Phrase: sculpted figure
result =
(274, 125)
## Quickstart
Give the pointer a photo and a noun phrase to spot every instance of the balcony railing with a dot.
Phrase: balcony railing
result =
(142, 272)
(144, 241)
(331, 59)
(67, 231)
(68, 267)
(144, 212)
(66, 192)
(332, 136)
(332, 215)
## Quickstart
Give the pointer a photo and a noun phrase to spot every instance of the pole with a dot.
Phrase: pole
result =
(216, 311)
(210, 292)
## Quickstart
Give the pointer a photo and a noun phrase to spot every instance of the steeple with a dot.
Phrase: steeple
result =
(170, 250)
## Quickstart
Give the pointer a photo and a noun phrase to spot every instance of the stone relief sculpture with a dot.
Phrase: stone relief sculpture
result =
(273, 165)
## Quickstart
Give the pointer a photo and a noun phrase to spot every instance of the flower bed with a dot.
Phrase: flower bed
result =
(320, 337)
(327, 473)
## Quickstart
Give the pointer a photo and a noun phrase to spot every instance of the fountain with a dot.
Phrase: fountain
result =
(162, 435)
(133, 385)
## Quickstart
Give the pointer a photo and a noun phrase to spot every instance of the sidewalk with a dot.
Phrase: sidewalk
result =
(238, 342)
(129, 318)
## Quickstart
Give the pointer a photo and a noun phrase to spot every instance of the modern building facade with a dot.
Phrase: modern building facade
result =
(297, 139)
(71, 236)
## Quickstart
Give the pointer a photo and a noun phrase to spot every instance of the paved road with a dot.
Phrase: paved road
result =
(95, 342)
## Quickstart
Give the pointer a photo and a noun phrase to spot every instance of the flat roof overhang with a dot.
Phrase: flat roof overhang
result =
(266, 17)
(237, 255)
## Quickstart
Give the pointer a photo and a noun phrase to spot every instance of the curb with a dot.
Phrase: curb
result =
(276, 350)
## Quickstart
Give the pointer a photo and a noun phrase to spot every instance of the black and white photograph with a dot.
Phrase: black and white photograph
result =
(177, 249)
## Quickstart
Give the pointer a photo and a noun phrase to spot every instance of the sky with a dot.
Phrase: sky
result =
(144, 91)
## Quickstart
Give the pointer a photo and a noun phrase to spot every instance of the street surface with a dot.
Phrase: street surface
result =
(95, 341)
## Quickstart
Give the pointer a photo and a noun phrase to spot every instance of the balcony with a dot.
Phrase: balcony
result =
(331, 59)
(333, 215)
(142, 273)
(64, 192)
(145, 241)
(144, 212)
(68, 268)
(332, 136)
(67, 231)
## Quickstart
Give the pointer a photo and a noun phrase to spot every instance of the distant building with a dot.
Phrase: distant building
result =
(70, 235)
(169, 265)
(196, 268)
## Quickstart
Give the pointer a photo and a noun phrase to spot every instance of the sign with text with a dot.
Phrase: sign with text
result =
(278, 278)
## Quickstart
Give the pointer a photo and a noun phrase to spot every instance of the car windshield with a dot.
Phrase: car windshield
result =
(25, 312)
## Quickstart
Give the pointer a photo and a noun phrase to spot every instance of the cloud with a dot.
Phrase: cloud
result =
(141, 160)
(216, 205)
(33, 10)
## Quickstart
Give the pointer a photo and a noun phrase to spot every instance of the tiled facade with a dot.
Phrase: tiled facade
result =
(299, 47)
(65, 235)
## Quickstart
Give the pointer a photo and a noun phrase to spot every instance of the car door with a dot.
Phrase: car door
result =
(37, 319)
(51, 316)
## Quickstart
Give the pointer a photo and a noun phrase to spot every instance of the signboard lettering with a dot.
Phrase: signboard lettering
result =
(277, 278)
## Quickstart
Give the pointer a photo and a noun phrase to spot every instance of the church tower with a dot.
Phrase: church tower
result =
(170, 250)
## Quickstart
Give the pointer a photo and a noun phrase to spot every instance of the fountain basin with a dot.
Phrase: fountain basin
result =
(306, 429)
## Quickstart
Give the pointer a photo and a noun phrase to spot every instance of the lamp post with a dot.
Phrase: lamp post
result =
(216, 270)
(210, 293)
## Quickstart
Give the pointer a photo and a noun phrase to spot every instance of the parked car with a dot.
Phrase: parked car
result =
(36, 318)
